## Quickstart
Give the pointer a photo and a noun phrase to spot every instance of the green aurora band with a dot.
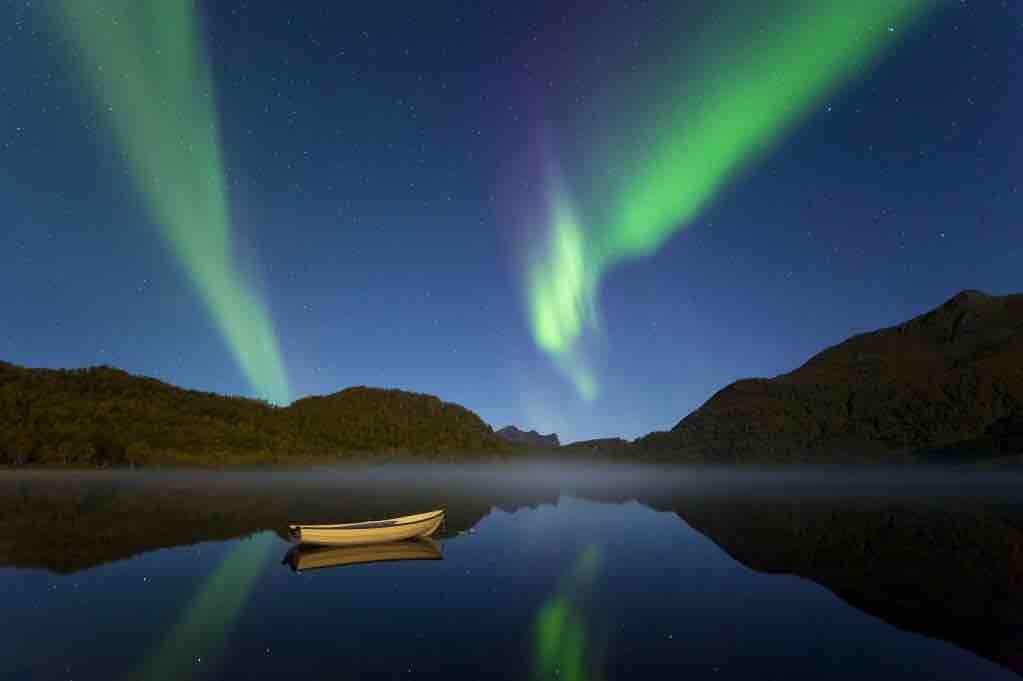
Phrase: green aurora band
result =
(754, 88)
(146, 64)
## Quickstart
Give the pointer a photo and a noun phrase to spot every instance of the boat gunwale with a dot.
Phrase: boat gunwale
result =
(365, 524)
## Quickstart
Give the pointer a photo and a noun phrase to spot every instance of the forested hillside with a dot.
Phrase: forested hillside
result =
(938, 381)
(104, 416)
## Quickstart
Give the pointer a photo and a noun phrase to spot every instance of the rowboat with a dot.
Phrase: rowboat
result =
(305, 557)
(369, 532)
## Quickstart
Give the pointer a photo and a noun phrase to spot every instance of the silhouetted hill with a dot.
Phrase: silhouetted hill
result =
(529, 438)
(605, 446)
(365, 419)
(933, 383)
(104, 416)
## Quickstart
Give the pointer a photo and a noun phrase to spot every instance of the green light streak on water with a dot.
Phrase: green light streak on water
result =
(751, 92)
(198, 636)
(560, 641)
(146, 64)
(561, 648)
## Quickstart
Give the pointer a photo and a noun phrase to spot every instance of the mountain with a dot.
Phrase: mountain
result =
(604, 446)
(365, 419)
(529, 438)
(930, 385)
(949, 382)
(104, 416)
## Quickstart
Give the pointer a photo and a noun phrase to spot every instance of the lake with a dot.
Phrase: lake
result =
(541, 571)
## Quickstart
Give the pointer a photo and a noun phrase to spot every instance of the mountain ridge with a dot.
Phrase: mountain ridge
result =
(529, 438)
(947, 383)
(105, 416)
(934, 382)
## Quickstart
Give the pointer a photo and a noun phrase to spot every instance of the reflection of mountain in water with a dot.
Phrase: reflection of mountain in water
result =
(940, 561)
(66, 523)
(950, 573)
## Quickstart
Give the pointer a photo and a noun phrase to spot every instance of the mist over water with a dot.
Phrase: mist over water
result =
(563, 476)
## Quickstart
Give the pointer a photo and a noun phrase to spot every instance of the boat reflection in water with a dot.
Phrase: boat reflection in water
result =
(304, 557)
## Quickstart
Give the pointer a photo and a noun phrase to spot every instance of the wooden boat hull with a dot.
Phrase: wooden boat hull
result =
(309, 557)
(370, 532)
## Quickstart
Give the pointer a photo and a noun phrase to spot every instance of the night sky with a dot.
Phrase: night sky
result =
(584, 218)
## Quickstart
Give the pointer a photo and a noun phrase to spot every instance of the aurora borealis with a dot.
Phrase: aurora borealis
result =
(265, 263)
(146, 63)
(726, 114)
(584, 219)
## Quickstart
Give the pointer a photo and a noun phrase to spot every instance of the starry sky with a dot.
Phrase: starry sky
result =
(580, 217)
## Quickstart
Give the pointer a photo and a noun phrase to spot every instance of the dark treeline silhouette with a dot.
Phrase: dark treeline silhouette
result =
(929, 387)
(946, 386)
(106, 417)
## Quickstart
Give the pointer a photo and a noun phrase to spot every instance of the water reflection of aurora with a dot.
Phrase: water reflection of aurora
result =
(563, 646)
(201, 630)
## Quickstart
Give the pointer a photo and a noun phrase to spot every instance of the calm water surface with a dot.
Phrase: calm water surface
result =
(541, 572)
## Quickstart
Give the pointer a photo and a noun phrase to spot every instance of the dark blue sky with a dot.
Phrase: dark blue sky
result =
(367, 160)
